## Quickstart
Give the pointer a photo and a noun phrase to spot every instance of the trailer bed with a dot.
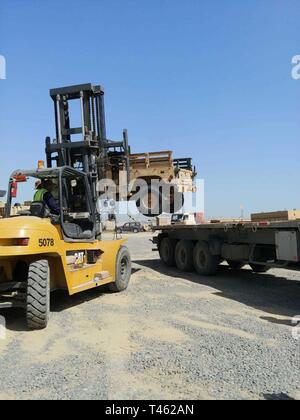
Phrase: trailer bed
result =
(263, 245)
(223, 225)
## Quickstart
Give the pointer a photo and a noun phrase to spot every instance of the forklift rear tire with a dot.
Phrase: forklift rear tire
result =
(256, 268)
(167, 251)
(205, 263)
(123, 271)
(184, 255)
(38, 295)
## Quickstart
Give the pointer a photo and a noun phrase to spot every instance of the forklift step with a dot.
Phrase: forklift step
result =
(98, 277)
(103, 275)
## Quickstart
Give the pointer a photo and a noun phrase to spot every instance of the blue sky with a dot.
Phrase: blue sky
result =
(210, 79)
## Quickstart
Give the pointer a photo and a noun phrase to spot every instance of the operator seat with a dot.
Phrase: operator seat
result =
(75, 231)
(39, 209)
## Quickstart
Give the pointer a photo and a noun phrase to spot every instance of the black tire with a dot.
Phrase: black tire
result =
(235, 265)
(119, 231)
(135, 231)
(167, 251)
(184, 255)
(123, 271)
(205, 263)
(256, 268)
(38, 295)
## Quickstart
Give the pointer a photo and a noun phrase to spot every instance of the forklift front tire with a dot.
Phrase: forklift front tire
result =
(123, 271)
(38, 295)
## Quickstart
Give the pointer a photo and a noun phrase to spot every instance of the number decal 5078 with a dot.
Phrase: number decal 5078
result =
(46, 242)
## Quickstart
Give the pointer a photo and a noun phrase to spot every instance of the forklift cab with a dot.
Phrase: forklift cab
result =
(73, 196)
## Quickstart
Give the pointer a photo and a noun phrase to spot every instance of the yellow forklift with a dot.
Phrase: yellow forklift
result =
(42, 251)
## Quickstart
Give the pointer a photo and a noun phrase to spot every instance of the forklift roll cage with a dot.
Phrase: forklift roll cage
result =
(60, 174)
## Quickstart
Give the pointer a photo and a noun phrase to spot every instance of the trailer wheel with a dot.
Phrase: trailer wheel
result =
(184, 255)
(204, 262)
(38, 295)
(259, 268)
(123, 271)
(235, 265)
(167, 251)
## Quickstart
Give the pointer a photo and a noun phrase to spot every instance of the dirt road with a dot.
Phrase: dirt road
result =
(170, 335)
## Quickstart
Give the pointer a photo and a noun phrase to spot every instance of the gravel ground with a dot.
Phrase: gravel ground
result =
(171, 335)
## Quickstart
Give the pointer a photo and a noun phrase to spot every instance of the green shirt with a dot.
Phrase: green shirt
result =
(39, 195)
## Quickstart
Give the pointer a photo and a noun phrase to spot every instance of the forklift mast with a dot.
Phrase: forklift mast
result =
(93, 153)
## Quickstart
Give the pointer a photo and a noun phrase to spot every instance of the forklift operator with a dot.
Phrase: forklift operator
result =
(44, 194)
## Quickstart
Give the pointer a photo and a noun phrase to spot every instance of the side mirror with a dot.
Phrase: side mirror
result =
(2, 193)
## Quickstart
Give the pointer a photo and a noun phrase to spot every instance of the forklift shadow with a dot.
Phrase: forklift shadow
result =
(60, 301)
(14, 320)
(265, 292)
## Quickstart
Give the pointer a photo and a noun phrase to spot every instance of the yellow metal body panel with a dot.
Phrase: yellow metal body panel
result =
(46, 242)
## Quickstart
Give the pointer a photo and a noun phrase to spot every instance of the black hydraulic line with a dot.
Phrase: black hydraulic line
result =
(93, 116)
(100, 122)
(102, 117)
(126, 148)
(56, 122)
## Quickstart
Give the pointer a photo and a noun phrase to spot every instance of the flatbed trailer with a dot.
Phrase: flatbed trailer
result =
(204, 247)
